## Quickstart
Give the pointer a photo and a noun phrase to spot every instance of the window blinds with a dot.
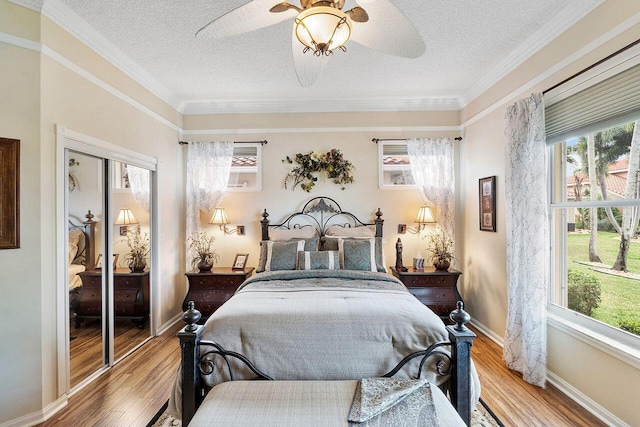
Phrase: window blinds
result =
(396, 149)
(611, 102)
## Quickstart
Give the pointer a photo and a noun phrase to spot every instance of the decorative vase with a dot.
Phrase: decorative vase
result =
(441, 264)
(204, 266)
(137, 265)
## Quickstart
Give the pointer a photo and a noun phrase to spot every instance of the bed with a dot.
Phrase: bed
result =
(327, 314)
(81, 254)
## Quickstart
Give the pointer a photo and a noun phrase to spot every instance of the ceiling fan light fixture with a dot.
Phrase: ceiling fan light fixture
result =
(323, 29)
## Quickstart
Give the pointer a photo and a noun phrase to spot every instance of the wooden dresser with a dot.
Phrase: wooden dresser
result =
(130, 293)
(209, 290)
(436, 289)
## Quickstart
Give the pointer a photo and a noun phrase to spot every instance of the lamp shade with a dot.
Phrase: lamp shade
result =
(125, 217)
(219, 217)
(322, 29)
(425, 216)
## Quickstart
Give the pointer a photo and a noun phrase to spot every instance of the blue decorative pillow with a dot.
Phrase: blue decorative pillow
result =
(327, 260)
(283, 255)
(310, 244)
(357, 254)
(331, 244)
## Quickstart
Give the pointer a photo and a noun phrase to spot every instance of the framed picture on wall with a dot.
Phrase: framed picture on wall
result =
(488, 204)
(9, 193)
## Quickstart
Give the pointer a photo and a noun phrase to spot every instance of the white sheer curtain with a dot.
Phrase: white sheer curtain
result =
(432, 167)
(140, 186)
(525, 347)
(208, 169)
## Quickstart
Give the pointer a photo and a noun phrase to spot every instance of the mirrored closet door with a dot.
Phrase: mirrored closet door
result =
(85, 201)
(110, 235)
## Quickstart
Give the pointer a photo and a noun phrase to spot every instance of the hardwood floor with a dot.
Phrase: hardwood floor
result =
(85, 349)
(517, 403)
(132, 391)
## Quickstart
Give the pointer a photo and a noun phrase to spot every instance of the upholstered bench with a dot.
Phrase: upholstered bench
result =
(292, 403)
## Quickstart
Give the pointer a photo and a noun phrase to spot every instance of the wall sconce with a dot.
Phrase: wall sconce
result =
(424, 217)
(219, 217)
(125, 218)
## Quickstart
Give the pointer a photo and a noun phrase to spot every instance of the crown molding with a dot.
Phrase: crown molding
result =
(262, 131)
(585, 50)
(320, 106)
(556, 25)
(68, 20)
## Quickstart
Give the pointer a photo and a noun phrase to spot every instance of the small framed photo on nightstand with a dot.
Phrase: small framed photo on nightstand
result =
(240, 262)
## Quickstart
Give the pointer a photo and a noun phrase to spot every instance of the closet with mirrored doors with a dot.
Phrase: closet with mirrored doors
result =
(109, 234)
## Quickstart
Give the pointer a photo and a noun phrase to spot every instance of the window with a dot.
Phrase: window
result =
(246, 168)
(595, 204)
(394, 165)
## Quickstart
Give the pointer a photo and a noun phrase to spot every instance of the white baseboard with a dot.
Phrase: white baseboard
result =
(168, 325)
(585, 401)
(37, 417)
(488, 332)
(564, 387)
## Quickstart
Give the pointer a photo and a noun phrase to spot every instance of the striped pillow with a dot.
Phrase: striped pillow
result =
(282, 255)
(325, 260)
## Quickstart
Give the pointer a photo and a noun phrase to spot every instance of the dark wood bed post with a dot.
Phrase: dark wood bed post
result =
(379, 221)
(461, 341)
(89, 247)
(190, 336)
(264, 222)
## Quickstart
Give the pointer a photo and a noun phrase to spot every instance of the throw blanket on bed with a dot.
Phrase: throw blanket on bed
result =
(324, 325)
(388, 402)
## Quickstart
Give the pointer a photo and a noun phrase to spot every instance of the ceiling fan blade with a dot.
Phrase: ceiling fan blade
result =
(305, 3)
(388, 30)
(283, 7)
(358, 14)
(308, 66)
(248, 17)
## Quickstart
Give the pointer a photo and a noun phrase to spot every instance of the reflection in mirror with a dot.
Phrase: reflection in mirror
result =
(130, 201)
(85, 225)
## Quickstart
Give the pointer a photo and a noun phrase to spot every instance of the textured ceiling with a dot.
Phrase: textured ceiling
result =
(466, 42)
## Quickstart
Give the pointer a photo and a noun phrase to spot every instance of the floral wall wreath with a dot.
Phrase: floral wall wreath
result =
(332, 163)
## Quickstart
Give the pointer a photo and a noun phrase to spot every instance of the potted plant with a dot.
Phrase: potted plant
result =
(201, 246)
(441, 248)
(139, 247)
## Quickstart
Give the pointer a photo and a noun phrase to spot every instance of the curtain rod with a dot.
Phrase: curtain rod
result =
(376, 140)
(629, 46)
(263, 142)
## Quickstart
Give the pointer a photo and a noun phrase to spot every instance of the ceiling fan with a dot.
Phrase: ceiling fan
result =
(322, 27)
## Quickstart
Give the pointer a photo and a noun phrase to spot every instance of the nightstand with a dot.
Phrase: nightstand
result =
(209, 290)
(434, 288)
(130, 295)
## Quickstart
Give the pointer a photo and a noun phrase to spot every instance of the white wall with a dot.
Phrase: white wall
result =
(90, 96)
(362, 198)
(20, 273)
(606, 384)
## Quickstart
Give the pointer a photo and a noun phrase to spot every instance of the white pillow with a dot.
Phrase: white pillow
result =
(73, 251)
(293, 233)
(74, 236)
(363, 231)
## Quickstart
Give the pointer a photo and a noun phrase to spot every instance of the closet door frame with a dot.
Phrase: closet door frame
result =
(69, 139)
